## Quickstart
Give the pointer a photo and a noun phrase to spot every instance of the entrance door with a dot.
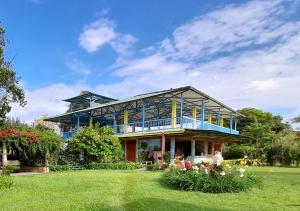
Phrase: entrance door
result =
(130, 150)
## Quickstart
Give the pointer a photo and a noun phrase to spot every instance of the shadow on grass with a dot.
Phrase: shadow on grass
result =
(155, 204)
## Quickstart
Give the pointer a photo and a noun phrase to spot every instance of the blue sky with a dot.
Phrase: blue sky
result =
(244, 53)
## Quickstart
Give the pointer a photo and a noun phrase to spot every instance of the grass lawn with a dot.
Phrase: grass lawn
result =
(141, 190)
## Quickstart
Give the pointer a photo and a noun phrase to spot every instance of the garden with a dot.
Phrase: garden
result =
(143, 190)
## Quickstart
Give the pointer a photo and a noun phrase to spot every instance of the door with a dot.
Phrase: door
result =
(130, 150)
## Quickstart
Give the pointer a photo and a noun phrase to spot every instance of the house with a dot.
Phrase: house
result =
(181, 122)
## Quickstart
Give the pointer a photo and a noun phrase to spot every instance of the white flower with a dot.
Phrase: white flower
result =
(222, 173)
(206, 171)
(242, 170)
(245, 156)
(184, 169)
(195, 168)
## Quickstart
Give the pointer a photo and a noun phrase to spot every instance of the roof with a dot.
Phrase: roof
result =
(86, 94)
(188, 91)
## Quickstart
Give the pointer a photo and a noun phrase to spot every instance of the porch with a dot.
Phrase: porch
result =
(187, 145)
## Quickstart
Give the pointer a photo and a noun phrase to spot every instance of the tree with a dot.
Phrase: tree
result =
(10, 92)
(96, 144)
(253, 115)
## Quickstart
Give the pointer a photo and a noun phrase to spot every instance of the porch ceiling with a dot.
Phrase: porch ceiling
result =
(186, 134)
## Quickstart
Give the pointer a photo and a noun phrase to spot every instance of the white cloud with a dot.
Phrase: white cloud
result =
(97, 34)
(77, 66)
(244, 55)
(102, 32)
(46, 101)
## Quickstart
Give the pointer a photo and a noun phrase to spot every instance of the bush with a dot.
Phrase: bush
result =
(237, 151)
(210, 179)
(59, 168)
(7, 170)
(118, 165)
(96, 144)
(156, 167)
(6, 181)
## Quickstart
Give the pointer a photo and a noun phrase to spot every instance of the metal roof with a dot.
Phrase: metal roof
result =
(188, 90)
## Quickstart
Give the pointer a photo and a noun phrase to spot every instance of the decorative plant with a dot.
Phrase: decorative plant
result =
(210, 177)
(30, 144)
(96, 144)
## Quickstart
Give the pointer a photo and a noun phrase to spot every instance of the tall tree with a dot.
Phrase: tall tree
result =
(10, 92)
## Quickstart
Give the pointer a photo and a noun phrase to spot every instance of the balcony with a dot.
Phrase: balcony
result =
(168, 124)
(161, 125)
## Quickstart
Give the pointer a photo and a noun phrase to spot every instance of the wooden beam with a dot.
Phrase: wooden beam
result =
(163, 148)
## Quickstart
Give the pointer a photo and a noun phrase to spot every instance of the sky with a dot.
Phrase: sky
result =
(243, 53)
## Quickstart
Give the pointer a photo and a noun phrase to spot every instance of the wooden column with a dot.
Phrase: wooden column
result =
(206, 148)
(172, 150)
(163, 148)
(125, 150)
(4, 154)
(193, 150)
(137, 150)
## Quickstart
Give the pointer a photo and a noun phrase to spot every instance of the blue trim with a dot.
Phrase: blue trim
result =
(143, 118)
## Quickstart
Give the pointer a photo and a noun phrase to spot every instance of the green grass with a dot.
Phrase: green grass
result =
(140, 190)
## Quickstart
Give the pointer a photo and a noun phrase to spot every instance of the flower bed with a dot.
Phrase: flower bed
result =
(210, 178)
(117, 165)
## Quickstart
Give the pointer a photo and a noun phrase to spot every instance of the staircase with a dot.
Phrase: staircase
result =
(70, 162)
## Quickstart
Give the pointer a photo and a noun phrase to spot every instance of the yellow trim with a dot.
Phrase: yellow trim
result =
(174, 103)
(221, 122)
(209, 118)
(125, 120)
(194, 113)
(171, 131)
(91, 121)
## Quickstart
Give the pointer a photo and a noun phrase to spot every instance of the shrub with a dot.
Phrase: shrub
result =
(7, 170)
(156, 167)
(237, 151)
(210, 178)
(6, 181)
(118, 165)
(59, 168)
(96, 144)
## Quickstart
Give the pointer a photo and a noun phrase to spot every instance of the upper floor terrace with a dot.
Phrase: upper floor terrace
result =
(173, 109)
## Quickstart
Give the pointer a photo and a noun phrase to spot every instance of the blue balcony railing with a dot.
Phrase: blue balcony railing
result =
(162, 124)
(168, 124)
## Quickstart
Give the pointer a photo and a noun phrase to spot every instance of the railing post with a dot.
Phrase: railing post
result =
(219, 118)
(143, 118)
(235, 123)
(231, 121)
(114, 122)
(181, 112)
(202, 115)
(78, 123)
(125, 120)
